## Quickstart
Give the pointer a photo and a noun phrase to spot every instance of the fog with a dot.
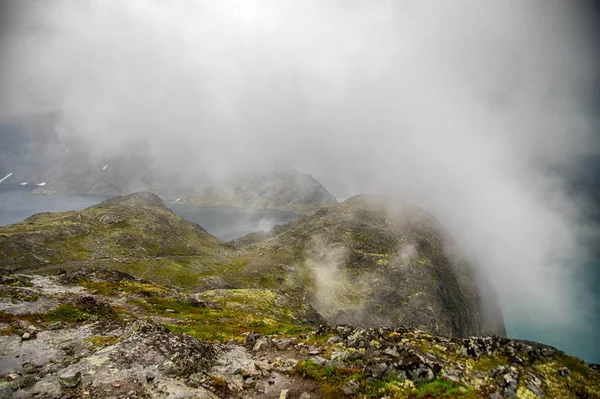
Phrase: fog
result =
(465, 108)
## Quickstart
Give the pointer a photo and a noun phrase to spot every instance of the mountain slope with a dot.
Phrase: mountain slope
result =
(372, 261)
(135, 226)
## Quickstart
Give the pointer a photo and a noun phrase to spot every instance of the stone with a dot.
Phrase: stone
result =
(25, 336)
(391, 352)
(318, 360)
(314, 350)
(170, 310)
(27, 381)
(150, 376)
(70, 380)
(251, 339)
(261, 344)
(336, 364)
(94, 318)
(264, 366)
(305, 395)
(421, 374)
(283, 344)
(563, 372)
(12, 376)
(285, 394)
(31, 330)
(249, 383)
(351, 388)
(334, 340)
(340, 356)
(55, 326)
(29, 368)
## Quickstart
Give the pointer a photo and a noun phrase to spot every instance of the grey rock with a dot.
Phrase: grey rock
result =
(421, 374)
(305, 395)
(55, 326)
(29, 368)
(70, 380)
(261, 344)
(391, 352)
(25, 336)
(340, 356)
(336, 364)
(283, 344)
(563, 372)
(318, 360)
(249, 383)
(334, 340)
(251, 339)
(351, 388)
(26, 381)
(150, 376)
(314, 350)
(285, 394)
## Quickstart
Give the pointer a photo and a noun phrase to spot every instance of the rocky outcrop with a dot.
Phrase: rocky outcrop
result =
(372, 261)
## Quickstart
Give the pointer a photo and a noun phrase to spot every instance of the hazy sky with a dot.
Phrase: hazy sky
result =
(462, 107)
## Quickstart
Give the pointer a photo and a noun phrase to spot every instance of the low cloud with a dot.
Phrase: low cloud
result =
(464, 108)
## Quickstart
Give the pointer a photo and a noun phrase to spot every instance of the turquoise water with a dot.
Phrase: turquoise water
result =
(580, 338)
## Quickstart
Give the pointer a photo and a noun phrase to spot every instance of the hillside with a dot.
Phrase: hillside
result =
(368, 299)
(372, 261)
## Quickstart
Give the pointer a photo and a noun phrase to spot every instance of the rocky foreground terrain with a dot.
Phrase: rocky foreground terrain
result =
(366, 299)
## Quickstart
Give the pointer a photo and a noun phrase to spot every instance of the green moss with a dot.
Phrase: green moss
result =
(441, 388)
(228, 320)
(574, 364)
(332, 379)
(67, 313)
(488, 363)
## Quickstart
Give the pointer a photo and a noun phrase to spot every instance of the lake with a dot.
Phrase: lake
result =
(224, 222)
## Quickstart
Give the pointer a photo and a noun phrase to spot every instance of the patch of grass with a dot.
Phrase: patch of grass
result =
(66, 313)
(574, 364)
(216, 324)
(110, 288)
(332, 379)
(488, 363)
(441, 388)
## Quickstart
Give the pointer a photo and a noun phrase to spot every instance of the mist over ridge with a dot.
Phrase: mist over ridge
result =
(465, 109)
